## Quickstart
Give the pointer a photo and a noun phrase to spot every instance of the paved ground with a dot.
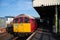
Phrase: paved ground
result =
(39, 35)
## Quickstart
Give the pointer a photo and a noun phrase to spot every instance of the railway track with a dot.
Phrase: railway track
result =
(21, 38)
(6, 36)
(15, 38)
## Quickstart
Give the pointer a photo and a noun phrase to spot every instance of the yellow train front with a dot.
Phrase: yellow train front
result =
(23, 25)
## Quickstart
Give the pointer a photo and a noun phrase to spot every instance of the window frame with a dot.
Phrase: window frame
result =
(26, 20)
(16, 20)
(20, 21)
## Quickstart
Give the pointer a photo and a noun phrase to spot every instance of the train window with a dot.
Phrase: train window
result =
(16, 20)
(26, 20)
(21, 20)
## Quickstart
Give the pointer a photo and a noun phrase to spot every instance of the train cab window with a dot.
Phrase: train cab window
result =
(16, 20)
(26, 20)
(21, 19)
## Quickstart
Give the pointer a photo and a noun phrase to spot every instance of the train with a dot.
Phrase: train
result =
(22, 25)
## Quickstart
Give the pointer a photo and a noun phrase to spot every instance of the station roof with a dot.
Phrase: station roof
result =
(38, 3)
(9, 17)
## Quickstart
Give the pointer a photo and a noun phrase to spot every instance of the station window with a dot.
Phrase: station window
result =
(26, 20)
(16, 20)
(21, 19)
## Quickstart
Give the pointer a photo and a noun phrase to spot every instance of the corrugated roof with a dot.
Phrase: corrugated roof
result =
(38, 3)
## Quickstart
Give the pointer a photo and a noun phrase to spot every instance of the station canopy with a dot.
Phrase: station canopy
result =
(46, 8)
(38, 3)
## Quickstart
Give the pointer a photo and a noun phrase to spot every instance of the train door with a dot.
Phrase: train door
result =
(27, 26)
(21, 26)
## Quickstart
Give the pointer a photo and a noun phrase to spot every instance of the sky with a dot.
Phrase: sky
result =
(16, 7)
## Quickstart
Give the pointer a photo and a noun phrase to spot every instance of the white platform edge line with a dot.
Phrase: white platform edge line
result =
(30, 36)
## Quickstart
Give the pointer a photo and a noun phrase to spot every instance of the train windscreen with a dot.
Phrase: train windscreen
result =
(16, 20)
(21, 19)
(26, 20)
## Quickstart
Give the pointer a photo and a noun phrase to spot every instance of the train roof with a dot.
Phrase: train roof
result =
(24, 15)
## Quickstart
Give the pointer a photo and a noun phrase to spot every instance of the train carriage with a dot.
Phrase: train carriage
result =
(24, 24)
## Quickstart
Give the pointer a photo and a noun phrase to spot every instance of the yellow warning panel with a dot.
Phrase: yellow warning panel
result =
(27, 27)
(15, 27)
(20, 27)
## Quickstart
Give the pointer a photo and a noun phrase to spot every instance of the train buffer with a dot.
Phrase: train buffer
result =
(41, 35)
